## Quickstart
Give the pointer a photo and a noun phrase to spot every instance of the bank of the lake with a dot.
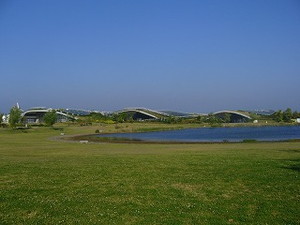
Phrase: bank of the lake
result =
(193, 135)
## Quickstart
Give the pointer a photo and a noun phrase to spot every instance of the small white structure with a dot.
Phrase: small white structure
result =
(5, 119)
(298, 120)
(255, 121)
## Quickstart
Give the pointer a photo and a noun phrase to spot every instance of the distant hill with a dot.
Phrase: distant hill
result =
(79, 112)
(262, 112)
(174, 113)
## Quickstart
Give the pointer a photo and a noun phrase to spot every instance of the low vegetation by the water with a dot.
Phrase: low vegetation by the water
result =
(249, 141)
(45, 181)
(151, 129)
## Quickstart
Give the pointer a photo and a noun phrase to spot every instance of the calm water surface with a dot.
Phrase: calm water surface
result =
(233, 134)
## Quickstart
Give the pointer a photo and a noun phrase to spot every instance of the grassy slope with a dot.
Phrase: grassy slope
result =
(49, 182)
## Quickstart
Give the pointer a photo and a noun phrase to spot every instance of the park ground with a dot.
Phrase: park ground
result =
(46, 181)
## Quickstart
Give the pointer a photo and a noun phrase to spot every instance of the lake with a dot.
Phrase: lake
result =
(219, 134)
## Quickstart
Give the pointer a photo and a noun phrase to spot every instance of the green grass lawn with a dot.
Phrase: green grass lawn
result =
(50, 182)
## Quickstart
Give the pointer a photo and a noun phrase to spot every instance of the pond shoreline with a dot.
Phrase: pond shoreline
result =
(121, 136)
(92, 139)
(101, 138)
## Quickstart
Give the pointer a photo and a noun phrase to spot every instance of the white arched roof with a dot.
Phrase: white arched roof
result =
(232, 112)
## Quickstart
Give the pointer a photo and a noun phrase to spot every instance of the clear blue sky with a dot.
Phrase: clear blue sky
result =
(196, 56)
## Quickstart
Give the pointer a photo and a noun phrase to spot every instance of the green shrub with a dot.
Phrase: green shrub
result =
(249, 141)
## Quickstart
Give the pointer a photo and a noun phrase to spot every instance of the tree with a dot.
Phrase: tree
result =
(212, 119)
(119, 117)
(14, 116)
(296, 115)
(226, 118)
(278, 116)
(201, 119)
(287, 115)
(50, 118)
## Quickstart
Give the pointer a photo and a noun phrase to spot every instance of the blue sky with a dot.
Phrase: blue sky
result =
(196, 56)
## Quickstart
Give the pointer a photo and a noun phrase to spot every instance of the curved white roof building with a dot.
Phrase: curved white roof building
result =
(36, 115)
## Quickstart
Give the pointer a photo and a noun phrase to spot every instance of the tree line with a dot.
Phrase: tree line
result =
(285, 116)
(50, 118)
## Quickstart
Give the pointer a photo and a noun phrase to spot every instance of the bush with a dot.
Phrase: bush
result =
(249, 141)
(4, 125)
(118, 127)
(50, 118)
(58, 128)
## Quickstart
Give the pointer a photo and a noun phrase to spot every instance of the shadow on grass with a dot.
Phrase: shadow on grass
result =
(294, 165)
(291, 151)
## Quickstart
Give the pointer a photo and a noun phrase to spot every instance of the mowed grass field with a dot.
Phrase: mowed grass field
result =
(44, 181)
